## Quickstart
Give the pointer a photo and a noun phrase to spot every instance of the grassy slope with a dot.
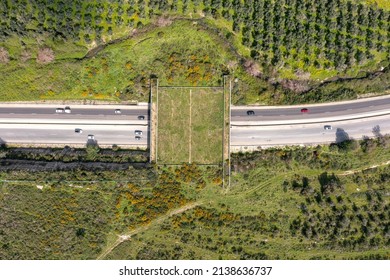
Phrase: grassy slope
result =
(181, 54)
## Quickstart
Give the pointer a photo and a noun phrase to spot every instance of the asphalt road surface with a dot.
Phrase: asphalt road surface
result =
(65, 134)
(309, 133)
(40, 124)
(270, 126)
(77, 112)
(339, 109)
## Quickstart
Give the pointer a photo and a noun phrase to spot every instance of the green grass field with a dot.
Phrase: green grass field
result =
(190, 124)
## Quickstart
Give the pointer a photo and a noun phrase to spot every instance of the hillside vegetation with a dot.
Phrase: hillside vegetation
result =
(277, 49)
(299, 203)
(325, 202)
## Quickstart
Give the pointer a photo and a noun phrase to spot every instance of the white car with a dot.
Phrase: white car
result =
(137, 137)
(59, 110)
(138, 132)
(67, 110)
(91, 137)
(118, 111)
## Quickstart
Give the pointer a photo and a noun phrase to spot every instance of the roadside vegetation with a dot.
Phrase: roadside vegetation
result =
(324, 202)
(279, 51)
(62, 215)
(296, 203)
(92, 153)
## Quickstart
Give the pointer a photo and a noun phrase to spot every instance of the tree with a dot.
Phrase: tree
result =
(328, 183)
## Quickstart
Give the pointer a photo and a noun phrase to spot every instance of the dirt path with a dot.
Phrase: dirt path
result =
(128, 235)
(350, 172)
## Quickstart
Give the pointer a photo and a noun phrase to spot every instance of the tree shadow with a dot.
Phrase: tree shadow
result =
(341, 135)
(376, 130)
(92, 143)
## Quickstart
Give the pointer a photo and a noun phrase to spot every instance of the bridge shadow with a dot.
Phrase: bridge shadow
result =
(3, 143)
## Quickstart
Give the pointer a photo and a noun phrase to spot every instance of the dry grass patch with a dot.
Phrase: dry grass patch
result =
(190, 124)
(173, 126)
(207, 126)
(4, 56)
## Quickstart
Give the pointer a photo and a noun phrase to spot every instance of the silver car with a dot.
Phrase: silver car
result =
(138, 132)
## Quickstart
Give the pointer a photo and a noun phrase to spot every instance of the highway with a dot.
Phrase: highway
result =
(65, 134)
(376, 105)
(267, 136)
(40, 124)
(287, 125)
(128, 112)
(270, 126)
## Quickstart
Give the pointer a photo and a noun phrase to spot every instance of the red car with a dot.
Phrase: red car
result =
(304, 110)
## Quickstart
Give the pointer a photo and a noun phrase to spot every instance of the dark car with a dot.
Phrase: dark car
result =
(141, 117)
(327, 127)
(304, 110)
(250, 113)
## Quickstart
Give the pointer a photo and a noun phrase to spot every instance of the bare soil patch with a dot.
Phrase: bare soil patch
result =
(4, 55)
(45, 55)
